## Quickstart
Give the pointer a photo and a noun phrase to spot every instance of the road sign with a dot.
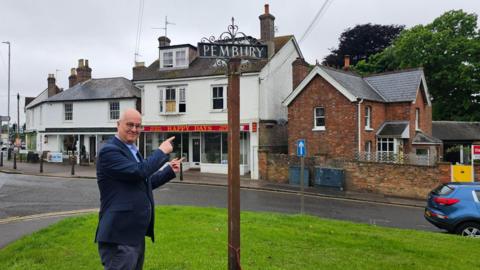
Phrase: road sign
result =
(301, 148)
(4, 118)
(475, 152)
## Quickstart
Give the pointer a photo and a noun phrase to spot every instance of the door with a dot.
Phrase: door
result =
(195, 152)
(93, 148)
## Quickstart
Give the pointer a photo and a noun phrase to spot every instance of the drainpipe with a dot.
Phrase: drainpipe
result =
(359, 127)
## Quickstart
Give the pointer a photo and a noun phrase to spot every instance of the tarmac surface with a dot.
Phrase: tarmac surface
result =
(195, 177)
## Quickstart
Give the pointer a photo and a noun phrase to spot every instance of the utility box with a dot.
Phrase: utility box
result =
(294, 176)
(329, 177)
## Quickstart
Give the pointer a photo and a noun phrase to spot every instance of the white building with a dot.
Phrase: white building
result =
(185, 96)
(80, 119)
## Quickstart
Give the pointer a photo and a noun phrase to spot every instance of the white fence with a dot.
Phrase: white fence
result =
(397, 158)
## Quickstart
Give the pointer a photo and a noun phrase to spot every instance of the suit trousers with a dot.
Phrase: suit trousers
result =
(122, 257)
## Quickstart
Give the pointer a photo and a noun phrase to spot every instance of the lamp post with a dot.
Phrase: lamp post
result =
(8, 96)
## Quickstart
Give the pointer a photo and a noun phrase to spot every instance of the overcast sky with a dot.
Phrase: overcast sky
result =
(50, 36)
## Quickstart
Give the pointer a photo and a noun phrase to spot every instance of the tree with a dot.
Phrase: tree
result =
(449, 51)
(362, 41)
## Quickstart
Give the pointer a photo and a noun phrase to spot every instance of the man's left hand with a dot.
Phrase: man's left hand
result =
(175, 164)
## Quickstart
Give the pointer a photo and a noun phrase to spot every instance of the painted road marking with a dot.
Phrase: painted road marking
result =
(48, 215)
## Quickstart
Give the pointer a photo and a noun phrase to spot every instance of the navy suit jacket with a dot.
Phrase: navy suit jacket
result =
(126, 199)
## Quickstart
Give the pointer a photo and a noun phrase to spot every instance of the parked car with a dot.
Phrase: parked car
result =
(455, 207)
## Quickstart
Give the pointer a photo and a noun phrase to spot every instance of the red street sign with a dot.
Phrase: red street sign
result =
(476, 151)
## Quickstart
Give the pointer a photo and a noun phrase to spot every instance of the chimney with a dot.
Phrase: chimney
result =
(52, 87)
(346, 62)
(72, 79)
(299, 71)
(163, 41)
(84, 72)
(267, 30)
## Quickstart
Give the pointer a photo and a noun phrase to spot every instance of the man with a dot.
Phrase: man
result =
(126, 182)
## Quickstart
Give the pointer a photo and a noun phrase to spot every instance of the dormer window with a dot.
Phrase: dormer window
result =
(167, 59)
(174, 58)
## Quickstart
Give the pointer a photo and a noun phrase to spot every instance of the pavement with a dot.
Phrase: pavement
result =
(196, 177)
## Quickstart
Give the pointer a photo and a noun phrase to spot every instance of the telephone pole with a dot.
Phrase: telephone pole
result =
(8, 96)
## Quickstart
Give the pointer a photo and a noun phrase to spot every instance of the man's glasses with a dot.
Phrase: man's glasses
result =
(131, 125)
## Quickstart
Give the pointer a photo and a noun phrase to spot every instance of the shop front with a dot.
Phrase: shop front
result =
(203, 147)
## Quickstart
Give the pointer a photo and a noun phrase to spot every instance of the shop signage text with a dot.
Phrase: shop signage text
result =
(475, 151)
(193, 128)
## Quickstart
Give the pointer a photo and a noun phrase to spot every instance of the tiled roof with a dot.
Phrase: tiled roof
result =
(94, 89)
(422, 138)
(456, 131)
(393, 129)
(397, 86)
(200, 67)
(353, 83)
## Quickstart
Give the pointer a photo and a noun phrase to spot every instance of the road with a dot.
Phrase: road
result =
(23, 195)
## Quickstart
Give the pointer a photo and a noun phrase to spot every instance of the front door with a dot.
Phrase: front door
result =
(195, 152)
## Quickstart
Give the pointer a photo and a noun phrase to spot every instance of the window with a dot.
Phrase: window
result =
(385, 145)
(368, 117)
(180, 58)
(319, 121)
(181, 101)
(68, 111)
(218, 98)
(167, 59)
(161, 101)
(114, 110)
(417, 119)
(368, 146)
(174, 58)
(172, 99)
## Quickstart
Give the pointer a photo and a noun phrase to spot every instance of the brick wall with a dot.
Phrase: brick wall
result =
(272, 137)
(407, 181)
(339, 137)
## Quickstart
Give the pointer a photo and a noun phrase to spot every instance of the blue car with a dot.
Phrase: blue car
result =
(455, 207)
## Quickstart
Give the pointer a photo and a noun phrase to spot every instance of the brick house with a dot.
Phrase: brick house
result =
(383, 117)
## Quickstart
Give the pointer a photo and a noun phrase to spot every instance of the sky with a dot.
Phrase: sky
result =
(50, 36)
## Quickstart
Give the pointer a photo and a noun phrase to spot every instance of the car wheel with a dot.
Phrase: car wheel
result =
(469, 229)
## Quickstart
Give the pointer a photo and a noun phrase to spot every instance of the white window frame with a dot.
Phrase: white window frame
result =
(110, 103)
(164, 58)
(368, 147)
(368, 118)
(175, 63)
(315, 127)
(65, 112)
(388, 140)
(224, 97)
(417, 118)
(180, 98)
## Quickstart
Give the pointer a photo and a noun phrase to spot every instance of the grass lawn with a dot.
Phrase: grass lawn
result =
(195, 238)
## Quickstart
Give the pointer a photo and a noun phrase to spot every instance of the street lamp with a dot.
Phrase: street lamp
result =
(8, 96)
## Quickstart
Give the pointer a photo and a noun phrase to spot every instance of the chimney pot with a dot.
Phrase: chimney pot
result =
(72, 71)
(163, 41)
(86, 62)
(267, 9)
(80, 62)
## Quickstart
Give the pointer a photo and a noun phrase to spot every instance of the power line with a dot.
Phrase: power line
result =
(139, 28)
(320, 12)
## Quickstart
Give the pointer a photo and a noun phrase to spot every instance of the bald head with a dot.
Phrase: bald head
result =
(129, 126)
(129, 114)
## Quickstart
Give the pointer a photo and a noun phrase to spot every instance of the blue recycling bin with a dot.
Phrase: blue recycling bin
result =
(329, 177)
(294, 176)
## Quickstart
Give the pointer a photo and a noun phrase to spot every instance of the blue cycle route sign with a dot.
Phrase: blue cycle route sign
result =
(301, 148)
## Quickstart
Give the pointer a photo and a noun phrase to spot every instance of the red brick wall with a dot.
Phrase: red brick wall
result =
(339, 139)
(425, 123)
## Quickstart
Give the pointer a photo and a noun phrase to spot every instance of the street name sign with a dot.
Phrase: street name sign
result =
(228, 50)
